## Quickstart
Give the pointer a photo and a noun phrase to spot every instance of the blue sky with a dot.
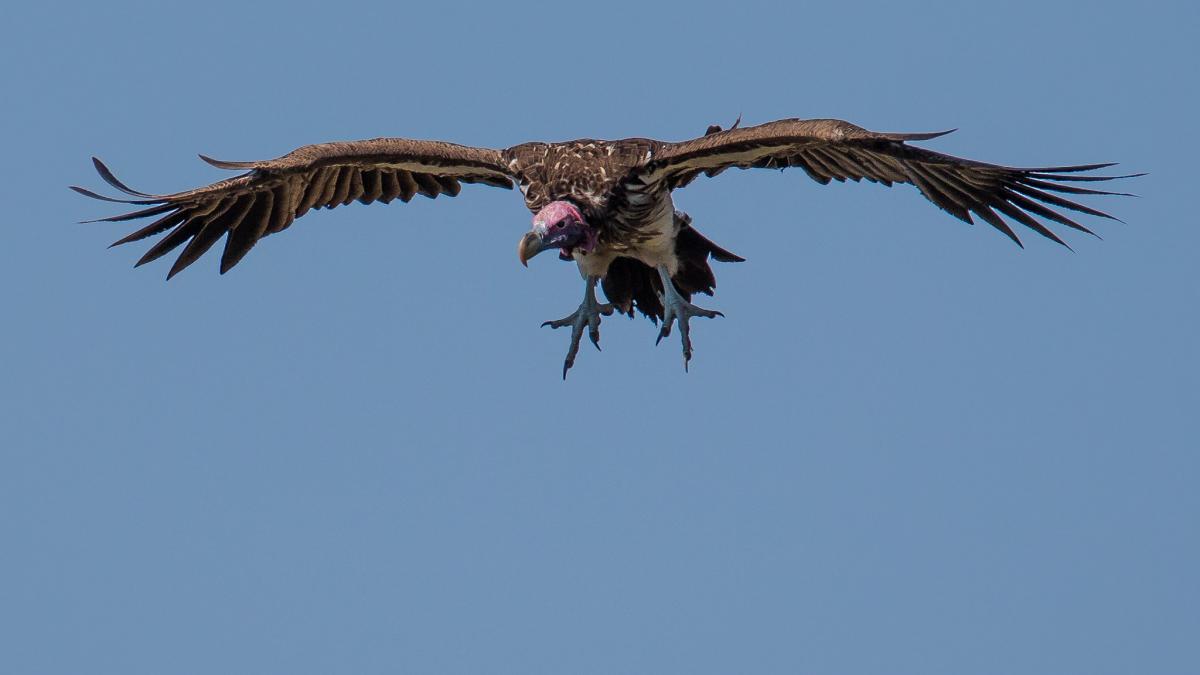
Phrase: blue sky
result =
(910, 446)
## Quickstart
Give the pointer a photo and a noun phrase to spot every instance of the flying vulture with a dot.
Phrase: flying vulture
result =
(604, 204)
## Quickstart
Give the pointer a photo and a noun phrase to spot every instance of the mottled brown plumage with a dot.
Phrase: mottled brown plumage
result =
(623, 189)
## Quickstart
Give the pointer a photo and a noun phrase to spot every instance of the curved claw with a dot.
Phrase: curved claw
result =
(588, 315)
(678, 309)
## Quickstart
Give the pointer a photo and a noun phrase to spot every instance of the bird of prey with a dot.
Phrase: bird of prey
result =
(606, 205)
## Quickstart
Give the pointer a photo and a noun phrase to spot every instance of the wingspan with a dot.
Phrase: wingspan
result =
(837, 150)
(274, 193)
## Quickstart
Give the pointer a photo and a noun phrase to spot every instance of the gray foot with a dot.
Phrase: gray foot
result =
(677, 309)
(588, 315)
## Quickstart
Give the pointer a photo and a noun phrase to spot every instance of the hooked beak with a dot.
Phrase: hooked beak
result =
(531, 244)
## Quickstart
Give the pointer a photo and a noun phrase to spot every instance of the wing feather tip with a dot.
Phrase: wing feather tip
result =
(148, 257)
(921, 136)
(109, 177)
(1075, 168)
(222, 164)
(99, 165)
(95, 195)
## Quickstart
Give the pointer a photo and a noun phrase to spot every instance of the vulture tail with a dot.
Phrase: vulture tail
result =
(631, 284)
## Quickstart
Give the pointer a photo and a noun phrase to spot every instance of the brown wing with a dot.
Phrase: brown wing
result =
(836, 150)
(274, 193)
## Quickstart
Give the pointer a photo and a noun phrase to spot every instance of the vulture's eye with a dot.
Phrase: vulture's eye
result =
(560, 224)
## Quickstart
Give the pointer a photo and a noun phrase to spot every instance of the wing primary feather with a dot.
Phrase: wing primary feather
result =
(112, 180)
(221, 164)
(144, 213)
(1068, 189)
(1065, 169)
(1030, 222)
(252, 228)
(914, 137)
(198, 246)
(189, 228)
(218, 210)
(94, 195)
(161, 225)
(1058, 201)
(168, 243)
(211, 229)
(989, 216)
(962, 195)
(935, 195)
(1046, 212)
(1083, 179)
(232, 218)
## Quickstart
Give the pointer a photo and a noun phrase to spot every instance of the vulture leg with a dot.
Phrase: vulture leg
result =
(676, 308)
(588, 315)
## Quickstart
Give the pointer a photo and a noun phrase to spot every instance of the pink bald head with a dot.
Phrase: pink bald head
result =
(562, 221)
(554, 212)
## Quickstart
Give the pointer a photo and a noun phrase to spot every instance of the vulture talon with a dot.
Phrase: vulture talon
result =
(676, 308)
(587, 316)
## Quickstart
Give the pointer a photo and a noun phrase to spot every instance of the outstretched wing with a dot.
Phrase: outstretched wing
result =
(273, 193)
(836, 150)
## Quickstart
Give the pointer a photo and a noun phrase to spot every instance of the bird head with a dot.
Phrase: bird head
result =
(558, 225)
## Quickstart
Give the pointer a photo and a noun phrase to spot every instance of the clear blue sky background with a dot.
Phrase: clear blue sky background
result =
(911, 447)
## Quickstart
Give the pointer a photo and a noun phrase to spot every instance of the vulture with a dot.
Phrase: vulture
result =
(606, 205)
